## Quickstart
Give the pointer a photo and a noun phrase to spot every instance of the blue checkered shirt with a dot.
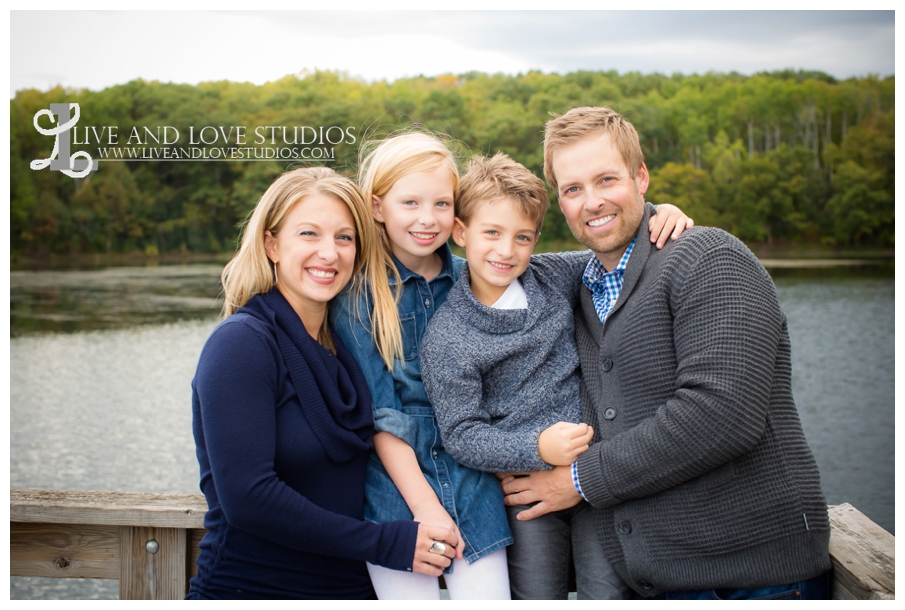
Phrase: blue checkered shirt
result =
(605, 287)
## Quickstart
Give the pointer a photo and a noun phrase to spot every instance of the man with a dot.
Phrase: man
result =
(700, 476)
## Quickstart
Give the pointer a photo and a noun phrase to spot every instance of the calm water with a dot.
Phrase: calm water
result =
(101, 363)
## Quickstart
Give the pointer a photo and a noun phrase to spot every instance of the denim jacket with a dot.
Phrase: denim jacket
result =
(473, 499)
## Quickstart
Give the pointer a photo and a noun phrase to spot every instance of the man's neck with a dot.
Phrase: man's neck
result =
(610, 260)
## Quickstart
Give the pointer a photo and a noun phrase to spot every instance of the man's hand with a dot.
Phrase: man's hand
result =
(552, 489)
(561, 443)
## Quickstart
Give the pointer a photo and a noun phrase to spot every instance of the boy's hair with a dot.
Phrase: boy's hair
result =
(579, 123)
(489, 180)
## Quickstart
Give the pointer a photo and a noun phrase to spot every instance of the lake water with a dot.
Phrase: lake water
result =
(101, 363)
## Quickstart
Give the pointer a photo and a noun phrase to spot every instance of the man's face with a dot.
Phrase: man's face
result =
(601, 201)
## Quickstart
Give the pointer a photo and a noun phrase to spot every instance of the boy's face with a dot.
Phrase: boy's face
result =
(601, 201)
(498, 244)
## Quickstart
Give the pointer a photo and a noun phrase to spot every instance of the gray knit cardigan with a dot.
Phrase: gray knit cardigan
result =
(699, 472)
(497, 378)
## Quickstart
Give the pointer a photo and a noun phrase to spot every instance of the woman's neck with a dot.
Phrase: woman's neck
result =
(311, 314)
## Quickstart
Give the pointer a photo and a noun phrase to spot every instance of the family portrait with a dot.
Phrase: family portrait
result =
(460, 305)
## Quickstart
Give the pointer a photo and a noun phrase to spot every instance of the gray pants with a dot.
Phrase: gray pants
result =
(540, 556)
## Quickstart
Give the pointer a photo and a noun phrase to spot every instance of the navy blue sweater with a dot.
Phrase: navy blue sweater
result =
(283, 430)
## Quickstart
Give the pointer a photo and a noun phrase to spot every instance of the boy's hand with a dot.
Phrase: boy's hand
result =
(561, 443)
(668, 219)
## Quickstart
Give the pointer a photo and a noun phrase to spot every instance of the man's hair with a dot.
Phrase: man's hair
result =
(580, 123)
(489, 180)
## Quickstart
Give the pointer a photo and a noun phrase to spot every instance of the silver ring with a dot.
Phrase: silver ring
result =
(437, 548)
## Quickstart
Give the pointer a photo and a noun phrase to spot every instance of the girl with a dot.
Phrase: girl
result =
(411, 182)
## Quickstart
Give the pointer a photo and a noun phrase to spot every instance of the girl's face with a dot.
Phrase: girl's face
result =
(314, 252)
(418, 214)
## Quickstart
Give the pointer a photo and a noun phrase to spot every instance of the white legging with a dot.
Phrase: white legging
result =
(486, 578)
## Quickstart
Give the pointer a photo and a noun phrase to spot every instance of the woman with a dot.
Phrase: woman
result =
(282, 415)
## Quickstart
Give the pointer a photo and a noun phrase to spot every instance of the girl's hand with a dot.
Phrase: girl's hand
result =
(433, 563)
(561, 443)
(668, 219)
(433, 513)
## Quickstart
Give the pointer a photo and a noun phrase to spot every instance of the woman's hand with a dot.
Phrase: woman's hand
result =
(433, 513)
(561, 443)
(668, 219)
(430, 562)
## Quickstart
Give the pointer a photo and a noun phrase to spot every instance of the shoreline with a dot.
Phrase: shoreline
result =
(770, 256)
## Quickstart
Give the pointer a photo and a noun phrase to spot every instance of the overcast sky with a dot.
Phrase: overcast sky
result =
(98, 49)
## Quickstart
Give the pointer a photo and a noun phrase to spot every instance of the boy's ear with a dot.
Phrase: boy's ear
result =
(536, 237)
(458, 233)
(375, 208)
(270, 247)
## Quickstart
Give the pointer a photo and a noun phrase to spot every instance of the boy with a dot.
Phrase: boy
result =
(500, 366)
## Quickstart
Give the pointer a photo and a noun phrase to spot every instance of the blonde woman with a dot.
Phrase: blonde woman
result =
(282, 415)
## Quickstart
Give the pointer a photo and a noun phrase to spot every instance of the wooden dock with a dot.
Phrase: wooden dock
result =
(149, 542)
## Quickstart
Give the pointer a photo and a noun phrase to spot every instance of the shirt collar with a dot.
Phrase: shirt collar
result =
(595, 271)
(446, 270)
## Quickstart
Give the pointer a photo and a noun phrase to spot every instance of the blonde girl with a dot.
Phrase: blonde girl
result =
(410, 182)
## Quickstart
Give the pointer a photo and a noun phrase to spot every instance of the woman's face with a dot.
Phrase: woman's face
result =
(314, 252)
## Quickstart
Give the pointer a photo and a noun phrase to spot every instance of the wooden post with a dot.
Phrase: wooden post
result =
(153, 563)
(863, 554)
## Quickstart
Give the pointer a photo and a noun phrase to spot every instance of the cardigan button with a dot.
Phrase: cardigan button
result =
(646, 585)
(607, 365)
(625, 527)
(610, 413)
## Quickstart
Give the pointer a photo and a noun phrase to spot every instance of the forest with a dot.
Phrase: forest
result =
(787, 158)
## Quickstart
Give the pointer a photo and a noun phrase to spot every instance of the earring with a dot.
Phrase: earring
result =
(276, 278)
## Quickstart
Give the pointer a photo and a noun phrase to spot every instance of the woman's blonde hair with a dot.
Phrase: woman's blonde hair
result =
(381, 164)
(251, 272)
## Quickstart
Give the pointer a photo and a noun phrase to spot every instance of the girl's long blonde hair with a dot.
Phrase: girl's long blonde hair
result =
(251, 272)
(381, 164)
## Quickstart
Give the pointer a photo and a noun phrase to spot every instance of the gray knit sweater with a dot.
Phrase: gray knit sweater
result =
(699, 470)
(498, 378)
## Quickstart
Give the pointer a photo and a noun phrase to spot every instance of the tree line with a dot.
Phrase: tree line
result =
(781, 157)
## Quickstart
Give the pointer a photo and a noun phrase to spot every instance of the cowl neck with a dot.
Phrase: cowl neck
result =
(337, 406)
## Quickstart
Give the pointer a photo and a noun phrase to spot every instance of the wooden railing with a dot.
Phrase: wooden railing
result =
(149, 542)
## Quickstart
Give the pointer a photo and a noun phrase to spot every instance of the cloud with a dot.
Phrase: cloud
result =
(97, 49)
